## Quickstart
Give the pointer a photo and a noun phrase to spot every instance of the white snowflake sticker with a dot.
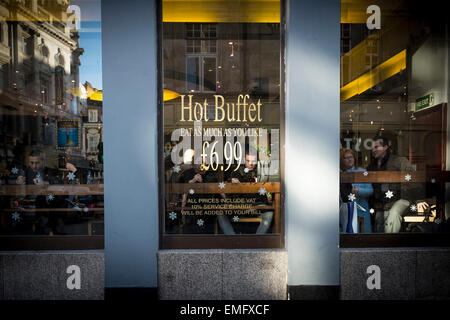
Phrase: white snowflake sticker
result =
(71, 176)
(408, 177)
(262, 191)
(191, 191)
(437, 221)
(351, 197)
(389, 194)
(235, 219)
(246, 170)
(176, 168)
(413, 208)
(365, 173)
(50, 197)
(172, 215)
(200, 222)
(222, 185)
(16, 216)
(15, 170)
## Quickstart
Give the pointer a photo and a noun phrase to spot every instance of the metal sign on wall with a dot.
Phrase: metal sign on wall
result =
(424, 102)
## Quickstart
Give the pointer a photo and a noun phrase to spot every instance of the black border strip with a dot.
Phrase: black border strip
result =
(24, 243)
(394, 240)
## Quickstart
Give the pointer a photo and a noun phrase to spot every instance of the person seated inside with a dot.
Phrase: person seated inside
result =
(358, 193)
(36, 173)
(249, 173)
(391, 200)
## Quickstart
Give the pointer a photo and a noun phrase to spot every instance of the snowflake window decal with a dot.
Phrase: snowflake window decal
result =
(15, 170)
(176, 168)
(246, 170)
(389, 194)
(408, 177)
(191, 191)
(413, 208)
(437, 221)
(71, 176)
(200, 222)
(172, 215)
(16, 216)
(50, 197)
(365, 173)
(262, 191)
(235, 219)
(351, 197)
(222, 185)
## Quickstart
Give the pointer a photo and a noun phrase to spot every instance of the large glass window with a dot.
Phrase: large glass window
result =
(51, 173)
(222, 80)
(394, 127)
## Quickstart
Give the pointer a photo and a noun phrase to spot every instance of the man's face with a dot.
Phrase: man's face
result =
(378, 150)
(250, 162)
(35, 163)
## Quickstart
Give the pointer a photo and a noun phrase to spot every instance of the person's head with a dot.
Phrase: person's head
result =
(347, 159)
(380, 147)
(188, 157)
(35, 160)
(251, 160)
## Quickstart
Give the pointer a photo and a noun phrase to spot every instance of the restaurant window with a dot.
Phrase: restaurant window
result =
(51, 176)
(393, 120)
(221, 125)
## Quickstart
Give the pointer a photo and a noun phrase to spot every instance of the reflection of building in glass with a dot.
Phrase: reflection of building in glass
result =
(92, 122)
(39, 57)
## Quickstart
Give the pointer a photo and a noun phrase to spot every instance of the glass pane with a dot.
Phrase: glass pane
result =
(393, 118)
(222, 141)
(209, 73)
(51, 159)
(192, 74)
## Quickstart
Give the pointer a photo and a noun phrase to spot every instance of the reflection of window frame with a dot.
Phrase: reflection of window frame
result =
(44, 88)
(26, 44)
(59, 85)
(207, 50)
(92, 115)
(201, 72)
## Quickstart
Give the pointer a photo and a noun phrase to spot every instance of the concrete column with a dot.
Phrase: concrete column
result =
(129, 52)
(312, 141)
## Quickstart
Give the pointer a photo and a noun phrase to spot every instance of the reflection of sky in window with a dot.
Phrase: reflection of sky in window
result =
(91, 41)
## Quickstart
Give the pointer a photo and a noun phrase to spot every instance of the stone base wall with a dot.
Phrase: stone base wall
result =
(222, 274)
(52, 275)
(395, 273)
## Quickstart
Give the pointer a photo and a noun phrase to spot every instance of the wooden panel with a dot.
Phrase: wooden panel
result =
(388, 176)
(213, 188)
(55, 189)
